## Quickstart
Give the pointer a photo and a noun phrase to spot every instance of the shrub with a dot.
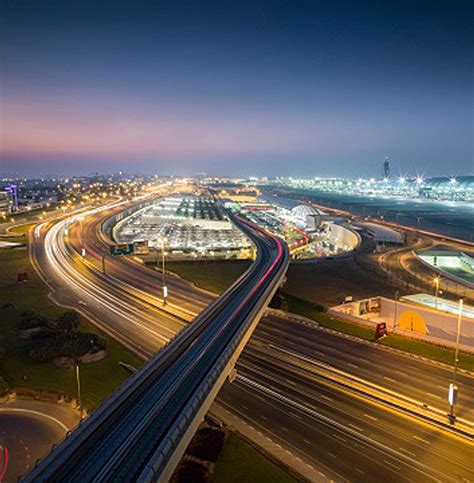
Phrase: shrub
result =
(191, 472)
(207, 444)
(68, 322)
(71, 345)
(30, 320)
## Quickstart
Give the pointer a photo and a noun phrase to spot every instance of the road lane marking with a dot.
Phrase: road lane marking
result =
(340, 438)
(398, 468)
(407, 451)
(358, 428)
(370, 417)
(421, 439)
(414, 463)
(36, 413)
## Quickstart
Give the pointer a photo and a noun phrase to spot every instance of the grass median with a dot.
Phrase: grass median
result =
(19, 372)
(240, 462)
(215, 276)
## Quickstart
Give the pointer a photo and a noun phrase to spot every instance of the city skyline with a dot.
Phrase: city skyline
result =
(255, 89)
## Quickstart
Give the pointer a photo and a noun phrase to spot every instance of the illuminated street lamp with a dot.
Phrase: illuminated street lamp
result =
(453, 388)
(436, 282)
(78, 386)
(163, 272)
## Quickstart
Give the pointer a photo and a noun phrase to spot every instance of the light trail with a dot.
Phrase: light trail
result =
(58, 259)
(182, 380)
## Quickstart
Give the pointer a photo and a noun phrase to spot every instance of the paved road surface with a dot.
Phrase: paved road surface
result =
(263, 378)
(28, 429)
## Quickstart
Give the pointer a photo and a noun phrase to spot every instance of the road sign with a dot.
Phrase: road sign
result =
(122, 249)
(381, 330)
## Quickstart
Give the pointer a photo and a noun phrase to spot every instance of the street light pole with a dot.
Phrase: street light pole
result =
(78, 383)
(163, 274)
(458, 336)
(436, 281)
(453, 389)
(397, 295)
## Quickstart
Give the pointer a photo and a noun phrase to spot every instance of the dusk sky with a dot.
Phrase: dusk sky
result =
(234, 88)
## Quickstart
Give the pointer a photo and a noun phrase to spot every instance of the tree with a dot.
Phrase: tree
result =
(68, 322)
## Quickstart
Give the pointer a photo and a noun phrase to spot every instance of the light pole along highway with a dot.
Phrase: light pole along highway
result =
(142, 430)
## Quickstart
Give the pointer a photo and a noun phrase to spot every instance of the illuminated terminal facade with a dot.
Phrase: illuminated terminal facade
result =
(459, 188)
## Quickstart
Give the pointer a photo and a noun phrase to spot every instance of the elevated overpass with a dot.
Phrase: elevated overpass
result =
(142, 430)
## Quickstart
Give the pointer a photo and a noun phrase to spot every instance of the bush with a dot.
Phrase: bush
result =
(68, 322)
(191, 472)
(4, 386)
(30, 320)
(277, 301)
(71, 345)
(207, 444)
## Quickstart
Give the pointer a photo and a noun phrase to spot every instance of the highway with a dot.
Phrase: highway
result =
(401, 263)
(375, 364)
(137, 433)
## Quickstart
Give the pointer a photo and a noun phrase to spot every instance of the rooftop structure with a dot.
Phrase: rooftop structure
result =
(454, 265)
(191, 225)
(383, 234)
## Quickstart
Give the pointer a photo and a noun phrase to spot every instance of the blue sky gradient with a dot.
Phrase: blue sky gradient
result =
(265, 88)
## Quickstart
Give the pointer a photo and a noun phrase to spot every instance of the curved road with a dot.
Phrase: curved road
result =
(422, 380)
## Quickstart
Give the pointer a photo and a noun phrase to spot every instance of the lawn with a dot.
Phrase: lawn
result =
(22, 229)
(98, 379)
(215, 276)
(241, 463)
(330, 282)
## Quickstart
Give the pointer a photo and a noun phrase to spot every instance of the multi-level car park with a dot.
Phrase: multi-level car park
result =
(189, 225)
